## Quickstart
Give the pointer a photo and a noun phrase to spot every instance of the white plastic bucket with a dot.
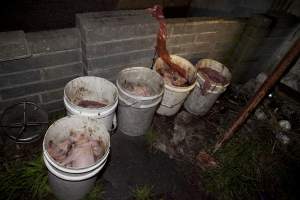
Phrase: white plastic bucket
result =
(69, 183)
(135, 113)
(93, 89)
(198, 103)
(174, 96)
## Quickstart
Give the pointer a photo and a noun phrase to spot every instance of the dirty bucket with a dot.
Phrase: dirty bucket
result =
(66, 182)
(92, 89)
(199, 102)
(135, 112)
(174, 96)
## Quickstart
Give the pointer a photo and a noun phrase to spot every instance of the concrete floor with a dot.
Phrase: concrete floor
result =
(132, 164)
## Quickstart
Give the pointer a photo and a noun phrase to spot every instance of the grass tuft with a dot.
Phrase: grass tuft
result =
(96, 193)
(151, 137)
(253, 166)
(24, 179)
(144, 192)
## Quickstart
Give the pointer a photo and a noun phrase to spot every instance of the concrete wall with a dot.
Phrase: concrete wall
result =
(259, 47)
(292, 77)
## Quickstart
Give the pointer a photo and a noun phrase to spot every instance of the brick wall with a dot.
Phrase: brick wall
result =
(195, 38)
(40, 77)
(112, 41)
(102, 44)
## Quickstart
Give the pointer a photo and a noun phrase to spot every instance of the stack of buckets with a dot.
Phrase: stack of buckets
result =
(70, 183)
(134, 115)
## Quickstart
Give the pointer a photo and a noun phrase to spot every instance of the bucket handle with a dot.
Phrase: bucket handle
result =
(114, 124)
(173, 105)
(128, 104)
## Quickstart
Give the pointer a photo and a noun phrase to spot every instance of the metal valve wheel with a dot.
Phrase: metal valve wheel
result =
(24, 122)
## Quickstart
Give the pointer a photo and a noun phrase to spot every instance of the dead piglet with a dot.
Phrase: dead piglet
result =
(137, 89)
(177, 80)
(80, 156)
(56, 152)
(98, 148)
(78, 138)
(172, 78)
(141, 91)
(92, 104)
(65, 146)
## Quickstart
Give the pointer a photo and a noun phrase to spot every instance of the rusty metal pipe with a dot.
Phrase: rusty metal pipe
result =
(283, 65)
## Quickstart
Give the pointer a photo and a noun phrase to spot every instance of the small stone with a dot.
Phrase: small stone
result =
(260, 79)
(260, 115)
(206, 161)
(283, 138)
(160, 146)
(249, 86)
(179, 134)
(183, 117)
(181, 125)
(285, 125)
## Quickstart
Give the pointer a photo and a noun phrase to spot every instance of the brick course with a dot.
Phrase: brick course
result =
(102, 44)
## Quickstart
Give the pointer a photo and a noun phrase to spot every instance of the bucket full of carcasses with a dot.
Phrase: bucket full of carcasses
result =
(176, 88)
(75, 149)
(212, 80)
(93, 97)
(140, 92)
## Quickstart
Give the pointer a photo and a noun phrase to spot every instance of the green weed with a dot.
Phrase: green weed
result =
(253, 166)
(143, 192)
(151, 137)
(24, 178)
(96, 193)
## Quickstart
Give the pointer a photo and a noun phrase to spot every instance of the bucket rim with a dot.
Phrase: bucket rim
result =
(91, 113)
(218, 90)
(92, 109)
(181, 89)
(217, 85)
(143, 98)
(177, 88)
(54, 164)
(72, 170)
(83, 176)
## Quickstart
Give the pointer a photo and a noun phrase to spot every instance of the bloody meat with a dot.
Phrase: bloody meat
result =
(210, 76)
(213, 75)
(161, 48)
(91, 104)
(137, 89)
